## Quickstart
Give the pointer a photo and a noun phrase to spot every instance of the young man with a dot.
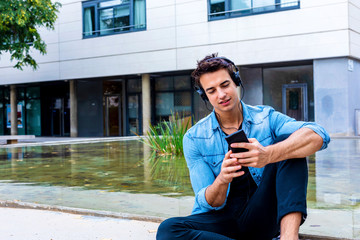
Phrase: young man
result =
(248, 195)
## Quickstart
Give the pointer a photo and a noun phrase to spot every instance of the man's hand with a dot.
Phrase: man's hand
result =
(229, 169)
(258, 156)
(215, 194)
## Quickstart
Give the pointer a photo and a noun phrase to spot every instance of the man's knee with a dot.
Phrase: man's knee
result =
(169, 228)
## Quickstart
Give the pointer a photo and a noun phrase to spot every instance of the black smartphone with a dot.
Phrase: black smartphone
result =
(237, 137)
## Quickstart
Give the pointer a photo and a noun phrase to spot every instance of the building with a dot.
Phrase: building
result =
(113, 66)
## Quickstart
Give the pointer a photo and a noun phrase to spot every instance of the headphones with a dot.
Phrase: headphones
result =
(235, 76)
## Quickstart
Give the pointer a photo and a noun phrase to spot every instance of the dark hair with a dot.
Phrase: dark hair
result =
(209, 64)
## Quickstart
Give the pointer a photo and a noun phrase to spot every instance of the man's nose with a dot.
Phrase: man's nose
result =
(222, 93)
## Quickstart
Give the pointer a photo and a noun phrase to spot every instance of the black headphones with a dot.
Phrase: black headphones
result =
(235, 76)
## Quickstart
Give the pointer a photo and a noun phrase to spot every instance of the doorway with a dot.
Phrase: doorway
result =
(60, 117)
(113, 120)
(295, 101)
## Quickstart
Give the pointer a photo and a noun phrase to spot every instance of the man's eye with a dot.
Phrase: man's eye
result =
(210, 91)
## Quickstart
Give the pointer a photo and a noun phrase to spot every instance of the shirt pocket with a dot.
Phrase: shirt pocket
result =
(214, 160)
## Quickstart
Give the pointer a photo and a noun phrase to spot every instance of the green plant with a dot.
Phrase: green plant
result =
(171, 171)
(167, 136)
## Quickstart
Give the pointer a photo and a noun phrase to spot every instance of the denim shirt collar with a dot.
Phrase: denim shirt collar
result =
(247, 119)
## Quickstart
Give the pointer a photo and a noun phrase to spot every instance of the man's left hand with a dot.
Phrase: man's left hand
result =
(258, 156)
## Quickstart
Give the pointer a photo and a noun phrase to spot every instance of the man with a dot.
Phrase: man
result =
(248, 195)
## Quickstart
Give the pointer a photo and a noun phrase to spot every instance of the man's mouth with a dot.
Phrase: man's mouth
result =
(225, 102)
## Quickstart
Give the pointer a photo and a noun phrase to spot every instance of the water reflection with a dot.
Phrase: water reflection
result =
(112, 166)
(337, 175)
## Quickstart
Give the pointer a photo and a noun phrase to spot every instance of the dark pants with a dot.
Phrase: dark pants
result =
(282, 190)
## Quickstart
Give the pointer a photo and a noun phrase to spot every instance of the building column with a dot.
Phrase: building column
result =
(146, 103)
(13, 107)
(73, 110)
(336, 94)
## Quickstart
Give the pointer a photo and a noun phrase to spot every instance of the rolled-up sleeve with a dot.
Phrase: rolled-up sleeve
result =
(201, 175)
(283, 126)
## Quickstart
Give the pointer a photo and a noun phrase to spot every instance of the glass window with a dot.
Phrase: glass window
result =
(33, 117)
(134, 85)
(173, 95)
(101, 17)
(220, 9)
(164, 83)
(139, 14)
(263, 5)
(89, 21)
(133, 114)
(164, 104)
(217, 8)
(182, 82)
(288, 3)
(182, 103)
(33, 92)
(20, 93)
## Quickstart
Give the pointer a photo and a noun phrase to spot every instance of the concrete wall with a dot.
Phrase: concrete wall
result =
(354, 28)
(337, 87)
(179, 33)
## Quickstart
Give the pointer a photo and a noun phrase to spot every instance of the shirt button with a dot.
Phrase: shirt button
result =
(253, 173)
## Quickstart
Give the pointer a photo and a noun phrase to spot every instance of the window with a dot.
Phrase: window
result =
(113, 16)
(173, 94)
(220, 9)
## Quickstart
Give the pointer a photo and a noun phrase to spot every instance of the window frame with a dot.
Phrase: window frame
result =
(97, 9)
(228, 13)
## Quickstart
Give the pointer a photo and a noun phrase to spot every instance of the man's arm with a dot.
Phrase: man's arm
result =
(204, 182)
(301, 143)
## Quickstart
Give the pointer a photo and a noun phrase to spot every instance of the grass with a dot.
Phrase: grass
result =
(166, 138)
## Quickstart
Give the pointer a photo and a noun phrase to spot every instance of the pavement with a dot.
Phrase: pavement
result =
(32, 224)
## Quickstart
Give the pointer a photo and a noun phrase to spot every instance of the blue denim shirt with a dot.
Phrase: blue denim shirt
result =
(205, 145)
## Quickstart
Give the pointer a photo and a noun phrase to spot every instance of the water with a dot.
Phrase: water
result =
(111, 166)
(124, 176)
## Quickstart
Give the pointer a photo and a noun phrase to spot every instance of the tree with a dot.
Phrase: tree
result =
(19, 23)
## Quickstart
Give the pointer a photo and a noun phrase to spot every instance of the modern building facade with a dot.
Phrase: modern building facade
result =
(114, 66)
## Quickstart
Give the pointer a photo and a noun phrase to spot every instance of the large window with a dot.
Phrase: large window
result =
(220, 9)
(173, 94)
(104, 17)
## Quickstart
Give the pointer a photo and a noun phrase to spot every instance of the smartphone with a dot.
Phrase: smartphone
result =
(237, 137)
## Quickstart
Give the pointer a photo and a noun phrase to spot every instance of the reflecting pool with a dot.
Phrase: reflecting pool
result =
(125, 176)
(123, 166)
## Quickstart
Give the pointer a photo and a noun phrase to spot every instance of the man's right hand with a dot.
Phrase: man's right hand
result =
(215, 194)
(230, 169)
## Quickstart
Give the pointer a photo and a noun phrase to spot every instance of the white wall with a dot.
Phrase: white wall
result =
(354, 25)
(179, 33)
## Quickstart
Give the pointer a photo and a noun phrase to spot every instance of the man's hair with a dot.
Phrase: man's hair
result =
(211, 63)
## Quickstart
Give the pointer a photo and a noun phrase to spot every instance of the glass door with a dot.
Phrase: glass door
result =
(134, 115)
(295, 101)
(60, 117)
(113, 115)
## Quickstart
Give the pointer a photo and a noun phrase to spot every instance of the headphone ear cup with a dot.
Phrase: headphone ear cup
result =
(201, 93)
(237, 78)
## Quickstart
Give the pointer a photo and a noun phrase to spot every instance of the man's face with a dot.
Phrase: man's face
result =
(221, 90)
